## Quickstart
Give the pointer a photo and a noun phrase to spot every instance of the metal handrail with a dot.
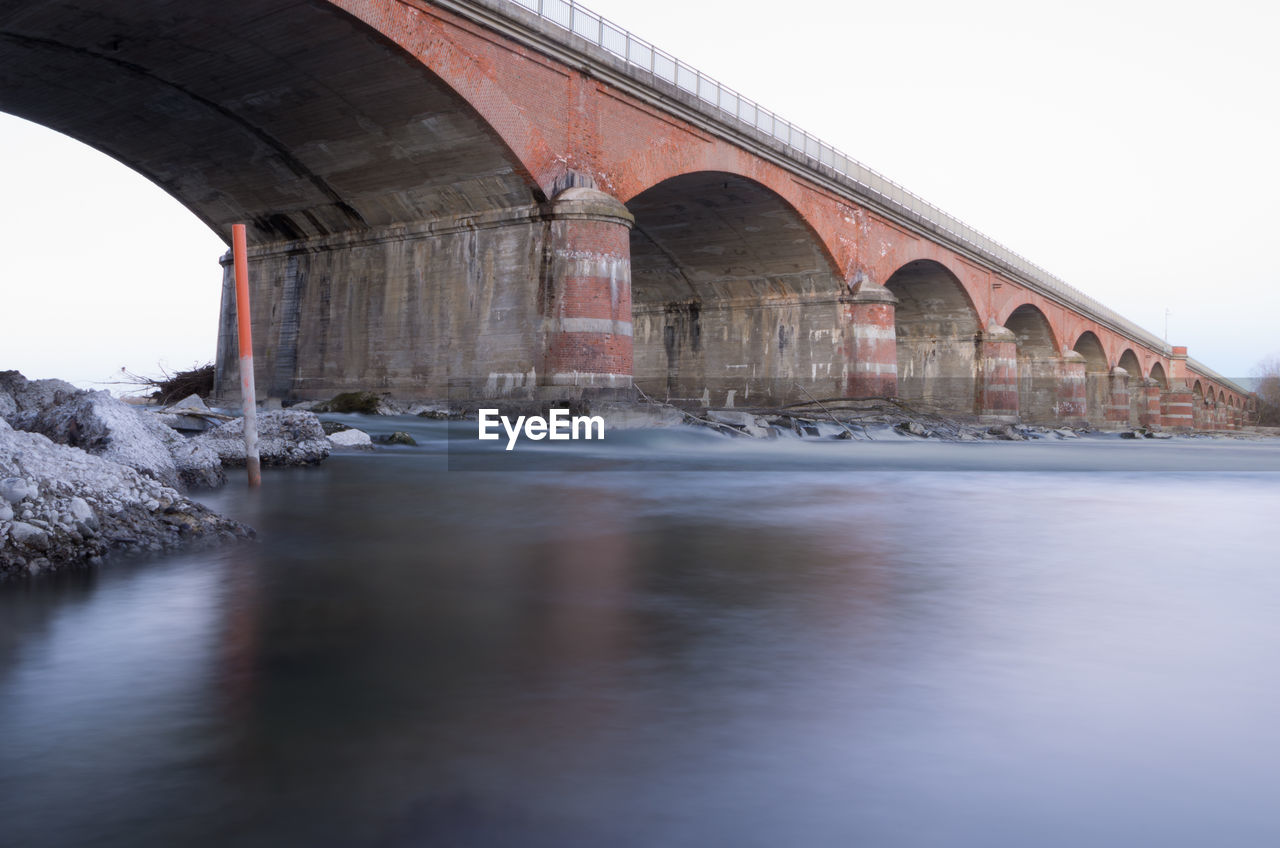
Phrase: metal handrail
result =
(651, 64)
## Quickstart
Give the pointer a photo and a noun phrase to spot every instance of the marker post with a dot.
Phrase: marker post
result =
(248, 394)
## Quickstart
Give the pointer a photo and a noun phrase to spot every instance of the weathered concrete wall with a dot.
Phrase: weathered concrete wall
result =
(1118, 405)
(1038, 389)
(741, 354)
(1097, 399)
(414, 313)
(1072, 389)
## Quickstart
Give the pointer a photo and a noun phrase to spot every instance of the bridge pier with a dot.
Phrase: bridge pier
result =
(586, 296)
(872, 349)
(1176, 408)
(998, 374)
(421, 310)
(1199, 412)
(1117, 411)
(1149, 415)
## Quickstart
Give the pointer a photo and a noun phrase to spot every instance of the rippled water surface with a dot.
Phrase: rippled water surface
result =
(875, 649)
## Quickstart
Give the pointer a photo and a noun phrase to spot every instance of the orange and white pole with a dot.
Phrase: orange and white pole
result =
(248, 394)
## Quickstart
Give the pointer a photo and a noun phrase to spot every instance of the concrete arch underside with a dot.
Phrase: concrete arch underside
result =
(294, 117)
(1097, 377)
(735, 299)
(1134, 385)
(937, 331)
(1039, 365)
(365, 178)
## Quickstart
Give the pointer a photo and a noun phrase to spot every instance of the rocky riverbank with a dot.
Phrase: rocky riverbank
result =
(62, 506)
(83, 473)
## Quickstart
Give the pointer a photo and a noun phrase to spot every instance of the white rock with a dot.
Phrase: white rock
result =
(30, 397)
(428, 410)
(29, 536)
(198, 465)
(80, 510)
(110, 428)
(15, 490)
(351, 439)
(190, 402)
(285, 437)
(387, 406)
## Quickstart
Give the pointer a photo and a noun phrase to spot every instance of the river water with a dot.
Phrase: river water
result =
(893, 644)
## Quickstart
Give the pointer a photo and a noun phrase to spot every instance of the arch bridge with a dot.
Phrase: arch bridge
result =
(489, 198)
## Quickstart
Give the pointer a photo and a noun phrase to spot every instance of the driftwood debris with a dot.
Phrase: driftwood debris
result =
(171, 387)
(857, 418)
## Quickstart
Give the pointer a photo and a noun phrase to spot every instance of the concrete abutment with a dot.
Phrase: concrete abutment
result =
(530, 303)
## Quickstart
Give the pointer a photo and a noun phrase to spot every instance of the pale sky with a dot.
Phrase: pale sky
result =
(1129, 148)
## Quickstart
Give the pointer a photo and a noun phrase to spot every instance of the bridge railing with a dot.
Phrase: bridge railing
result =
(731, 107)
(1203, 370)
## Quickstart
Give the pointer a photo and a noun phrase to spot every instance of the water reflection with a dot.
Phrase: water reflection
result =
(415, 657)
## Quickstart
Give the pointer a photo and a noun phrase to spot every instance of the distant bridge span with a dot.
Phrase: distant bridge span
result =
(518, 199)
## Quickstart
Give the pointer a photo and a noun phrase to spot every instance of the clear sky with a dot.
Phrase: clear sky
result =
(1128, 147)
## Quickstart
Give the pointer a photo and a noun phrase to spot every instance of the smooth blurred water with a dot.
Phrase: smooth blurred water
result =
(871, 651)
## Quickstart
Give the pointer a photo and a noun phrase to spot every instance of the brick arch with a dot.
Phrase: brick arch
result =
(481, 73)
(896, 252)
(944, 271)
(714, 235)
(629, 174)
(937, 327)
(1098, 361)
(1091, 347)
(1038, 358)
(1131, 356)
(1161, 376)
(1017, 305)
(736, 295)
